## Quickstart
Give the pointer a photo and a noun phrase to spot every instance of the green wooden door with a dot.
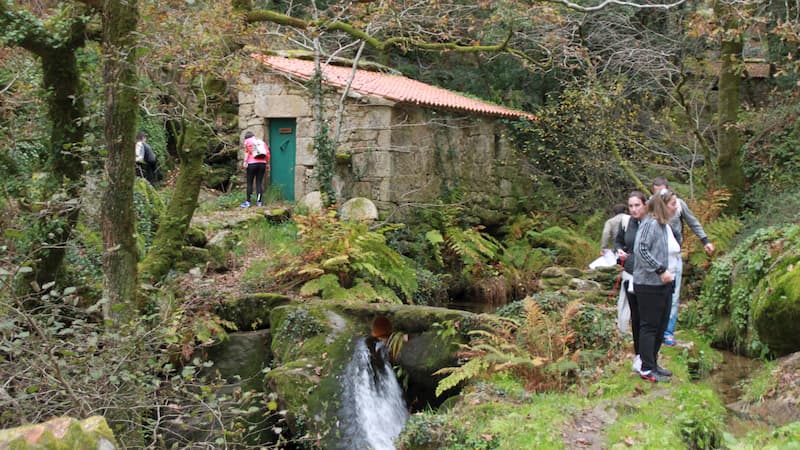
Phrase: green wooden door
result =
(282, 149)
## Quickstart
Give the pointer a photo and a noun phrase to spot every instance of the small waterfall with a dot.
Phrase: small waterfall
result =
(373, 411)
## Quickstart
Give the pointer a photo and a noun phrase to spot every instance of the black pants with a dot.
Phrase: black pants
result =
(633, 302)
(654, 303)
(255, 172)
(146, 171)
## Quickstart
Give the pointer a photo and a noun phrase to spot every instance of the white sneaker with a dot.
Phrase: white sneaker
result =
(637, 363)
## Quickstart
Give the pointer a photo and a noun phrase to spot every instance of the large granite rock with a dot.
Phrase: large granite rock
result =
(65, 433)
(358, 209)
(311, 202)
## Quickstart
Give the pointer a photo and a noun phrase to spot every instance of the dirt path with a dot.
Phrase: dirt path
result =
(587, 428)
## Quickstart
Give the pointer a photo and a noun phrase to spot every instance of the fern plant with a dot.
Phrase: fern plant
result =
(347, 260)
(471, 247)
(570, 247)
(720, 229)
(535, 347)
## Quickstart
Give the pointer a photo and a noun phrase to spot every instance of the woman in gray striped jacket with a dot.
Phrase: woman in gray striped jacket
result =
(657, 254)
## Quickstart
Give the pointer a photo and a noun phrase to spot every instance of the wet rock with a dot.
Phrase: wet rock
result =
(240, 358)
(780, 405)
(421, 357)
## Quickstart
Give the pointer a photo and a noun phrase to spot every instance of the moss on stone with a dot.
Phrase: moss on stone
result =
(343, 158)
(314, 346)
(750, 291)
(252, 311)
(776, 313)
(196, 237)
(63, 433)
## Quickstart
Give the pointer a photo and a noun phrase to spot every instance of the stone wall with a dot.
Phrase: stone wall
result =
(398, 155)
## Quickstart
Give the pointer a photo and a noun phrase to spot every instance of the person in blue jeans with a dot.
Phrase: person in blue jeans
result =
(682, 214)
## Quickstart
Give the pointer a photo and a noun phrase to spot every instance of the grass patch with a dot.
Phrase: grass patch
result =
(224, 201)
(272, 241)
(760, 383)
(783, 438)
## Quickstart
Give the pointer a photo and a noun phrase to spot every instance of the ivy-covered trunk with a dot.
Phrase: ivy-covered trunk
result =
(176, 218)
(117, 221)
(65, 111)
(729, 165)
(56, 50)
(323, 145)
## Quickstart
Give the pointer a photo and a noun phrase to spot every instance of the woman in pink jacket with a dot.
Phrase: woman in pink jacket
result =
(256, 158)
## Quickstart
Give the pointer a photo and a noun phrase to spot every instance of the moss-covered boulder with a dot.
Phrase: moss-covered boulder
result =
(252, 311)
(313, 342)
(592, 286)
(422, 356)
(191, 257)
(776, 311)
(278, 215)
(63, 433)
(221, 245)
(311, 203)
(196, 237)
(311, 346)
(405, 318)
(750, 299)
(241, 357)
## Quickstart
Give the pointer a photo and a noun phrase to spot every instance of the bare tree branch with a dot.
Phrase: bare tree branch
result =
(608, 3)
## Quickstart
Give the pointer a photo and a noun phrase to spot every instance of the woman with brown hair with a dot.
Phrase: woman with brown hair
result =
(624, 245)
(657, 253)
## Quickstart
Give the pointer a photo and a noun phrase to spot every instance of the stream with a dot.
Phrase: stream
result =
(728, 380)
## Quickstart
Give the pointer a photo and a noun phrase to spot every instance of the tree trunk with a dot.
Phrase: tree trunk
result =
(729, 163)
(175, 221)
(65, 110)
(117, 220)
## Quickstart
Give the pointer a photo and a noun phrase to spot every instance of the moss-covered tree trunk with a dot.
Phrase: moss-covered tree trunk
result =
(175, 221)
(56, 50)
(729, 164)
(117, 222)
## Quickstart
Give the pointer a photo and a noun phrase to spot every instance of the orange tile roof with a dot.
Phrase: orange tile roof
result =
(393, 87)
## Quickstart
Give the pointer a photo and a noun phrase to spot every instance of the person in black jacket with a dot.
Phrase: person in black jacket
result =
(146, 164)
(623, 245)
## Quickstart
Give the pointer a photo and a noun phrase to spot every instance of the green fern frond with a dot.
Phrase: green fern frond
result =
(395, 344)
(721, 232)
(325, 282)
(436, 240)
(571, 247)
(471, 369)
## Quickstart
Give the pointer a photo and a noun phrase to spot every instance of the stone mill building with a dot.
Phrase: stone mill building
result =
(402, 144)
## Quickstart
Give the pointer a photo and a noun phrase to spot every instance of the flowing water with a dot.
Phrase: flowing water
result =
(728, 380)
(373, 411)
